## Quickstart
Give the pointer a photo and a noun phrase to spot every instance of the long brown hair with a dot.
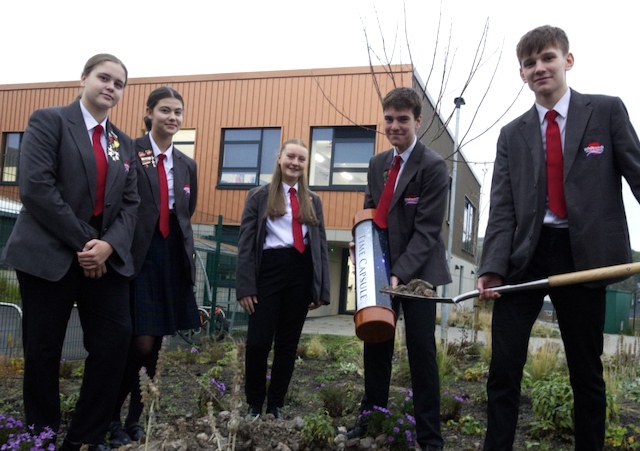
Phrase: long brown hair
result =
(275, 200)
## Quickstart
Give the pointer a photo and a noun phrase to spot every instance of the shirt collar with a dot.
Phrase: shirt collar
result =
(407, 153)
(287, 187)
(156, 150)
(561, 107)
(89, 120)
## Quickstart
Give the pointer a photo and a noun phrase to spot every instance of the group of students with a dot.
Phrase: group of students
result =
(107, 226)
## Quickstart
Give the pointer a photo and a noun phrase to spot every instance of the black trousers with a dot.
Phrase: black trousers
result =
(420, 320)
(284, 294)
(580, 311)
(103, 307)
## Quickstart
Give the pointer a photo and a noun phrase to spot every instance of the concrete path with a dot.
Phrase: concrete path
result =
(343, 325)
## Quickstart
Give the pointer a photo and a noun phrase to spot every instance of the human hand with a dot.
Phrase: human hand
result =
(95, 273)
(394, 281)
(94, 254)
(486, 282)
(352, 252)
(247, 303)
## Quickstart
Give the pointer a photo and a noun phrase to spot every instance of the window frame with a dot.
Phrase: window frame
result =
(3, 159)
(333, 170)
(468, 227)
(260, 157)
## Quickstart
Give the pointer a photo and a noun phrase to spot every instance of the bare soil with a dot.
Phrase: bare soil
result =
(181, 423)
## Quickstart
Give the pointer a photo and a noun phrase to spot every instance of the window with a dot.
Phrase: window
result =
(185, 140)
(10, 154)
(249, 156)
(340, 156)
(468, 227)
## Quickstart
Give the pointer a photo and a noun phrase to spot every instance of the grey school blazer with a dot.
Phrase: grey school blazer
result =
(57, 181)
(253, 229)
(600, 148)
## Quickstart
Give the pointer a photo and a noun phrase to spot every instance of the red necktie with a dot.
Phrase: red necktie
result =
(555, 166)
(101, 169)
(382, 211)
(296, 225)
(163, 222)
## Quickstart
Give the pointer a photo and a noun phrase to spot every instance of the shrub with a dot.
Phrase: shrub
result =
(14, 437)
(337, 399)
(542, 362)
(552, 403)
(451, 405)
(476, 372)
(211, 392)
(317, 429)
(398, 426)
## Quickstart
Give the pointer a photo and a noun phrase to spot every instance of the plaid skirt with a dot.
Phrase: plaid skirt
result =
(162, 297)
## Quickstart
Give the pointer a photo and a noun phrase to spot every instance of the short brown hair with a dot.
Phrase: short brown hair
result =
(403, 99)
(539, 39)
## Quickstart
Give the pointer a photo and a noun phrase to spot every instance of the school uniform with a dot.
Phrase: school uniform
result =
(58, 185)
(163, 300)
(285, 282)
(525, 242)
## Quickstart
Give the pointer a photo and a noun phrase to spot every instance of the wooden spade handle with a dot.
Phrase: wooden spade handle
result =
(590, 275)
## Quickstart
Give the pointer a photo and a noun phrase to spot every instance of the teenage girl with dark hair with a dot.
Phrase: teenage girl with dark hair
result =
(162, 297)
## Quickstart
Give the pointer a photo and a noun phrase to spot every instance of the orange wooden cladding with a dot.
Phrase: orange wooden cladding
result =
(294, 100)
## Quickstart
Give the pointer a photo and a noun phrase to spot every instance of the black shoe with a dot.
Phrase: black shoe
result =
(358, 431)
(135, 431)
(255, 411)
(117, 435)
(275, 411)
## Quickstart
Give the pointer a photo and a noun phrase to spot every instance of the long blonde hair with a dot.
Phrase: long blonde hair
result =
(275, 200)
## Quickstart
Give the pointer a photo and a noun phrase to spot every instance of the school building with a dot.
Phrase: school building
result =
(234, 125)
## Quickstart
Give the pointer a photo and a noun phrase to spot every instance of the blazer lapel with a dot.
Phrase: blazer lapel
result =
(532, 137)
(577, 120)
(179, 180)
(408, 172)
(149, 172)
(114, 162)
(78, 130)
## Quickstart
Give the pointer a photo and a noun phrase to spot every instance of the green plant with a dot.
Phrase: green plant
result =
(632, 389)
(66, 369)
(337, 399)
(317, 429)
(446, 362)
(9, 291)
(542, 362)
(14, 437)
(622, 438)
(315, 349)
(476, 372)
(540, 329)
(67, 406)
(552, 403)
(451, 405)
(397, 425)
(467, 425)
(211, 392)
